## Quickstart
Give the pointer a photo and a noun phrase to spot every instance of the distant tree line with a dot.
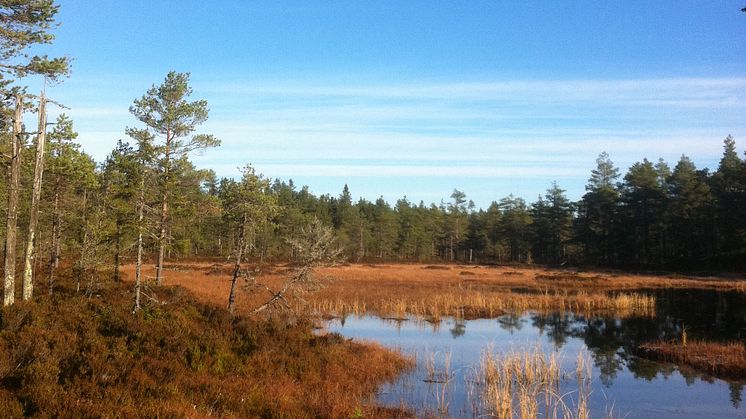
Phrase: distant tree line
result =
(653, 217)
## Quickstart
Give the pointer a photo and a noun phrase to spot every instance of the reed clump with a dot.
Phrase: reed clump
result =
(439, 375)
(723, 360)
(527, 385)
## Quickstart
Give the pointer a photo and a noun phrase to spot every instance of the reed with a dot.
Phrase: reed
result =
(439, 375)
(477, 305)
(527, 385)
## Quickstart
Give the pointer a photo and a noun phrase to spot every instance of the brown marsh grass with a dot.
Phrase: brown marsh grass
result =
(433, 291)
(723, 360)
(476, 305)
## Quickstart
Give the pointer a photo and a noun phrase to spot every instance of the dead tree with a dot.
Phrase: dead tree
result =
(28, 266)
(315, 247)
(13, 192)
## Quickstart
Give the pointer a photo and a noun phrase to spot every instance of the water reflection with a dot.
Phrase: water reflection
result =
(634, 386)
(459, 328)
(707, 315)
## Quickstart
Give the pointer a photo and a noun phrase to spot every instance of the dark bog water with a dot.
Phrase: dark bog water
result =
(622, 383)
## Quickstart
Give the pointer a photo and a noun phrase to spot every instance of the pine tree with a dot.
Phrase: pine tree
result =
(689, 212)
(25, 23)
(729, 188)
(72, 176)
(493, 218)
(598, 211)
(384, 228)
(645, 197)
(173, 120)
(249, 207)
(515, 228)
(457, 215)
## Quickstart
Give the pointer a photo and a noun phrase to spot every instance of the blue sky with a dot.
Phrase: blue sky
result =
(417, 98)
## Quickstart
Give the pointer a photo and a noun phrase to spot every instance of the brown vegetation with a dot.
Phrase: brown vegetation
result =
(395, 290)
(75, 356)
(723, 360)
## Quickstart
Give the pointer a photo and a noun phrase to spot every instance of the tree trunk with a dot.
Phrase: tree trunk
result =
(237, 266)
(138, 266)
(54, 259)
(28, 265)
(164, 212)
(12, 220)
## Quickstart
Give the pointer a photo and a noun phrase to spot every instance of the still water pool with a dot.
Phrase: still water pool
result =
(623, 384)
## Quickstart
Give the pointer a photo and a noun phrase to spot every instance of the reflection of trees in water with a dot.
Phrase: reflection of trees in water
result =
(708, 315)
(558, 327)
(736, 389)
(510, 322)
(604, 338)
(612, 342)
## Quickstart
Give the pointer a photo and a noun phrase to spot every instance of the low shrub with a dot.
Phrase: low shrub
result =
(76, 356)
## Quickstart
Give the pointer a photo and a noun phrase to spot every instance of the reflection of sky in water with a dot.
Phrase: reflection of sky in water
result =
(665, 393)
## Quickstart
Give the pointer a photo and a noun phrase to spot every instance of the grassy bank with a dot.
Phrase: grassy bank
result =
(723, 360)
(74, 356)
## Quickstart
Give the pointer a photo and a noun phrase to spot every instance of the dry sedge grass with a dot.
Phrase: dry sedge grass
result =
(527, 385)
(725, 360)
(395, 290)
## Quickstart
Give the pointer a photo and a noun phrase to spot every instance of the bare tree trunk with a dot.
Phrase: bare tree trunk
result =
(138, 267)
(28, 265)
(12, 220)
(237, 266)
(164, 212)
(54, 259)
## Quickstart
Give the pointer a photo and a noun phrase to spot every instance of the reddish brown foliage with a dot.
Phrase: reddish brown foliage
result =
(724, 360)
(73, 356)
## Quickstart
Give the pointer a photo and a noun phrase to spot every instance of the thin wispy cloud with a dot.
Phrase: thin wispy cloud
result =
(682, 91)
(498, 130)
